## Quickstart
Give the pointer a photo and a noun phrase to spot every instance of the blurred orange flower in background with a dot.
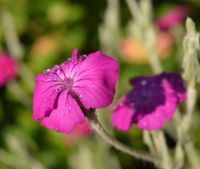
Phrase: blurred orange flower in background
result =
(44, 46)
(131, 51)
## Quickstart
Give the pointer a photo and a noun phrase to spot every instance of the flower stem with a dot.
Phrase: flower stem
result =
(135, 10)
(97, 127)
(12, 40)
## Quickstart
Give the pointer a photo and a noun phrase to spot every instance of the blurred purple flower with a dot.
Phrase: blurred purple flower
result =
(8, 69)
(172, 17)
(91, 79)
(151, 103)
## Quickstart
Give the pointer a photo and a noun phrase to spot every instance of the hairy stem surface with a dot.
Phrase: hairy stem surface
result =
(97, 127)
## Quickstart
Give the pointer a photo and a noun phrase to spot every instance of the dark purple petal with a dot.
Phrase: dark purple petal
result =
(151, 102)
(177, 85)
(164, 112)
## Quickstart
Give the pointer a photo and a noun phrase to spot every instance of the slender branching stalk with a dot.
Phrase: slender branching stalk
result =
(97, 127)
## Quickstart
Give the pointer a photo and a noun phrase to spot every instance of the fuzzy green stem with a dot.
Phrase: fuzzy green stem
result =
(192, 155)
(10, 34)
(187, 123)
(135, 10)
(97, 127)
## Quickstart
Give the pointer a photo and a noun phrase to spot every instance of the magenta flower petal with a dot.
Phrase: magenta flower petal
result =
(95, 81)
(121, 121)
(70, 68)
(88, 81)
(8, 69)
(83, 128)
(45, 94)
(176, 83)
(65, 116)
(79, 132)
(172, 17)
(151, 103)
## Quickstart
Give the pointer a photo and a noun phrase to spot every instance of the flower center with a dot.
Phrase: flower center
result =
(68, 82)
(147, 97)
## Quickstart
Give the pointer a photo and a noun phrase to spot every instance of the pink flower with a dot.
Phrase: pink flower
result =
(8, 69)
(172, 17)
(91, 79)
(80, 131)
(151, 103)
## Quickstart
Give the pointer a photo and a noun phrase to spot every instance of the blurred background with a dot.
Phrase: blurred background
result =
(39, 34)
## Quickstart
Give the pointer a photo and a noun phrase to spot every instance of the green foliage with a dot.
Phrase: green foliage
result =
(46, 32)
